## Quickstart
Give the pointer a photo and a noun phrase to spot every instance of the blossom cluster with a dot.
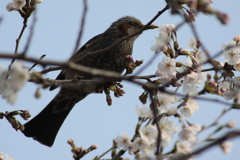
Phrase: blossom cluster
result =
(191, 77)
(146, 141)
(7, 157)
(230, 85)
(18, 4)
(12, 80)
(164, 37)
(168, 68)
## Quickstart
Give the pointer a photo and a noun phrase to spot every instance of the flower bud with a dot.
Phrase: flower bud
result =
(237, 38)
(226, 147)
(94, 146)
(231, 124)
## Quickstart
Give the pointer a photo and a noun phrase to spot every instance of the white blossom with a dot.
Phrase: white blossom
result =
(165, 139)
(231, 56)
(166, 68)
(192, 43)
(10, 7)
(123, 141)
(7, 157)
(201, 57)
(172, 111)
(152, 149)
(165, 100)
(236, 81)
(192, 81)
(226, 147)
(167, 28)
(11, 81)
(183, 147)
(189, 108)
(18, 4)
(149, 132)
(167, 126)
(19, 75)
(196, 60)
(159, 46)
(230, 94)
(231, 124)
(237, 67)
(141, 144)
(1, 156)
(144, 112)
(233, 88)
(187, 134)
(224, 85)
(196, 127)
(164, 37)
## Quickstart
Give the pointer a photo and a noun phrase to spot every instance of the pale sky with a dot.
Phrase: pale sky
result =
(92, 121)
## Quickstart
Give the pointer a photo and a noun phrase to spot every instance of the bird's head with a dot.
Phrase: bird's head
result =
(129, 25)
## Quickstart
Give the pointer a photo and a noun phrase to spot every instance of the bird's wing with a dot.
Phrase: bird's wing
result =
(87, 47)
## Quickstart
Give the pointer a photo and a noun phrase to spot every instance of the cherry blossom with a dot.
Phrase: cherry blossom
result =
(192, 81)
(144, 112)
(183, 147)
(166, 68)
(149, 132)
(164, 37)
(123, 141)
(232, 55)
(189, 108)
(226, 147)
(165, 100)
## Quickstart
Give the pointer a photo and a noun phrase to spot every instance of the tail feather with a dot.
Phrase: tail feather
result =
(45, 126)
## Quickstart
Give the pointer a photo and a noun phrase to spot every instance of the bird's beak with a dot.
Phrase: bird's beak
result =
(152, 26)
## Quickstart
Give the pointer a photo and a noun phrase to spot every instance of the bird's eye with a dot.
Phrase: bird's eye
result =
(131, 23)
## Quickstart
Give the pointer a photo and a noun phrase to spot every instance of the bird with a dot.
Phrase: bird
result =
(45, 126)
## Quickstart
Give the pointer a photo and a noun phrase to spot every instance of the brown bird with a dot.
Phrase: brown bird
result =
(44, 127)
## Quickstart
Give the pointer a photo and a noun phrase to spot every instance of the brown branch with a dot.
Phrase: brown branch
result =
(143, 77)
(50, 69)
(36, 63)
(155, 112)
(229, 135)
(102, 73)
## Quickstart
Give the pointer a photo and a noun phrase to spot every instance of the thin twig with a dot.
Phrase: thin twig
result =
(154, 110)
(29, 40)
(117, 156)
(50, 69)
(98, 158)
(85, 8)
(20, 36)
(225, 137)
(36, 63)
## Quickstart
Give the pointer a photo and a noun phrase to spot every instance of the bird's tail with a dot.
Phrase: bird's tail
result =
(44, 127)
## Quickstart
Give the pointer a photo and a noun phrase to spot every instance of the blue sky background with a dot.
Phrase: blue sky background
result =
(92, 121)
